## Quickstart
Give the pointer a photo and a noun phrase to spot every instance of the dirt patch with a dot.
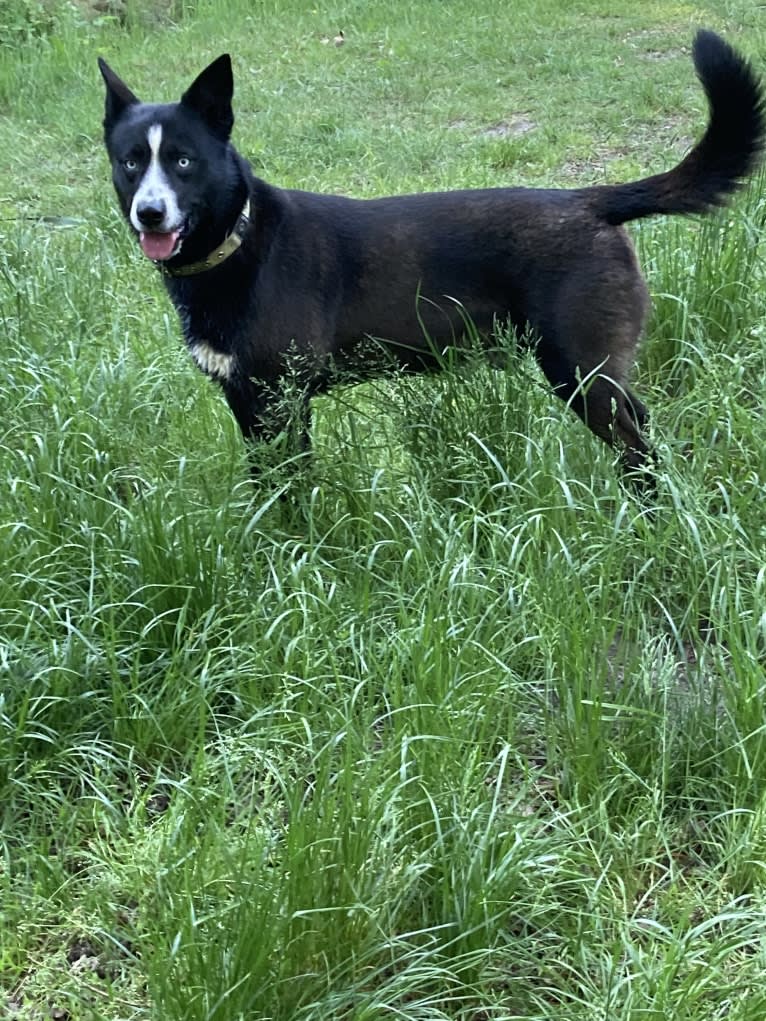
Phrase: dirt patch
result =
(513, 127)
(149, 10)
(642, 34)
(657, 55)
(662, 145)
(509, 129)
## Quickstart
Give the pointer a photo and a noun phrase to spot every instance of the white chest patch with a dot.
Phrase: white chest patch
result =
(214, 363)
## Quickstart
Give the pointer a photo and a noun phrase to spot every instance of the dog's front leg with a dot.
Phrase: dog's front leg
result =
(266, 414)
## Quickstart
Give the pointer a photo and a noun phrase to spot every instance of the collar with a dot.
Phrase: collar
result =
(228, 247)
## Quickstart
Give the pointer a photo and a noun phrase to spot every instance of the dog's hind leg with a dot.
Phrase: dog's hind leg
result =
(598, 395)
(587, 343)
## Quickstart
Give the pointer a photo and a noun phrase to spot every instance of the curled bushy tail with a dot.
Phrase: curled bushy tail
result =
(721, 160)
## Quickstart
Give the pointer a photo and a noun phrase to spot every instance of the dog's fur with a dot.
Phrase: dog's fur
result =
(317, 274)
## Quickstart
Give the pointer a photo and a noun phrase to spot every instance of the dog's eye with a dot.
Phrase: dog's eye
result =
(130, 165)
(183, 162)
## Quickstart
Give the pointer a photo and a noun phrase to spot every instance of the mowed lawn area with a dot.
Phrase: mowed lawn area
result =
(447, 724)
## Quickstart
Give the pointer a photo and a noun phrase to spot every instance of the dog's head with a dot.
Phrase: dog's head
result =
(171, 163)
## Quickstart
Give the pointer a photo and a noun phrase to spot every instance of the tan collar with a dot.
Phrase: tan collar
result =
(228, 247)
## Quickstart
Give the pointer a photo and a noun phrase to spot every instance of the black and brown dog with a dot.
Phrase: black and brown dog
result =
(257, 272)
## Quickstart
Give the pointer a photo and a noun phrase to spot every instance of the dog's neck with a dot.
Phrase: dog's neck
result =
(228, 246)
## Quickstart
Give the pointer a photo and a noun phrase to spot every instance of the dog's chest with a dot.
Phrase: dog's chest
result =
(217, 364)
(207, 354)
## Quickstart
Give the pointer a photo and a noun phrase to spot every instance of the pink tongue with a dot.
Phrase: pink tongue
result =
(158, 246)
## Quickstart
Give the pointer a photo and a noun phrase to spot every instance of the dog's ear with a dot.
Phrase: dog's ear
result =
(118, 95)
(210, 94)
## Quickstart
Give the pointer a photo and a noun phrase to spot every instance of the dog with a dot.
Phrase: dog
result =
(259, 274)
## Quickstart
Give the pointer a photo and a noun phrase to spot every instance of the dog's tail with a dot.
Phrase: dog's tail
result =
(719, 162)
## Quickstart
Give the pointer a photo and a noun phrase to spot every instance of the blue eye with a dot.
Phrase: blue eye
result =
(130, 165)
(183, 162)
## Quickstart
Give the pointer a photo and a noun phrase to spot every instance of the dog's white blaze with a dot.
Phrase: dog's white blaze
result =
(214, 363)
(155, 187)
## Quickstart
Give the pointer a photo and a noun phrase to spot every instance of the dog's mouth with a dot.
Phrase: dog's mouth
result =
(159, 246)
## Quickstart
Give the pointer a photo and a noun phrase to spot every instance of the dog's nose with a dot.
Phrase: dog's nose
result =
(151, 214)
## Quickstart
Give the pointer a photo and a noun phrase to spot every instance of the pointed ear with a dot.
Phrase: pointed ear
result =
(210, 94)
(118, 95)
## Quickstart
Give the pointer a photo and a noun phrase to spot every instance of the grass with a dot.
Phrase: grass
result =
(458, 731)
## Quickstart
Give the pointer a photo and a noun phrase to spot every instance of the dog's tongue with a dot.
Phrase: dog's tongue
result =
(158, 246)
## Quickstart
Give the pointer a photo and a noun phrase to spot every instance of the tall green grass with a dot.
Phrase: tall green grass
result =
(459, 729)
